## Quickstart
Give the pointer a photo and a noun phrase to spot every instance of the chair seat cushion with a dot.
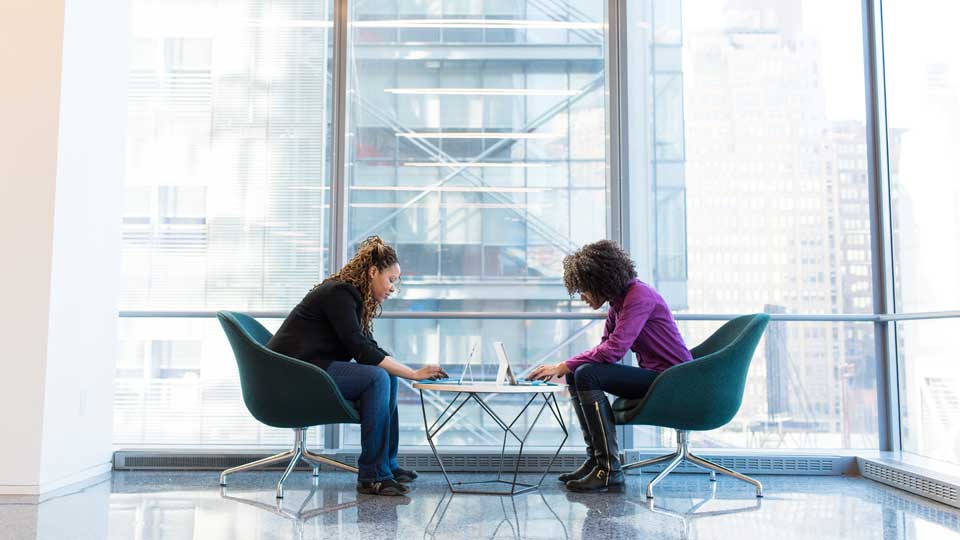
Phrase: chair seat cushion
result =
(624, 404)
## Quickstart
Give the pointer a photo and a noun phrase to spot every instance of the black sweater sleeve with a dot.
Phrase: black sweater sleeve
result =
(341, 310)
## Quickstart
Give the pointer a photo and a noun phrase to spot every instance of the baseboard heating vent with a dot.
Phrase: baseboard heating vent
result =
(135, 461)
(477, 462)
(912, 481)
(795, 465)
(127, 460)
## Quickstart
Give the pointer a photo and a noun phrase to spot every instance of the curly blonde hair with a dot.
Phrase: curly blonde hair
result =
(372, 252)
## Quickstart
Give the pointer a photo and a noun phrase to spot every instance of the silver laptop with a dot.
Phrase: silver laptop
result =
(463, 375)
(505, 374)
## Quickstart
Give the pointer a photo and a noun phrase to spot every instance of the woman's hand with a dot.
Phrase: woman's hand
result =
(431, 371)
(545, 373)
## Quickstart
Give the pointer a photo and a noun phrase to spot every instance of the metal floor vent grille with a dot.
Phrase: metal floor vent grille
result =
(464, 462)
(800, 465)
(145, 461)
(912, 482)
(137, 462)
(482, 463)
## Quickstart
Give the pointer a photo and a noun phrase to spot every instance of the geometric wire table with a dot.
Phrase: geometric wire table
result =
(472, 391)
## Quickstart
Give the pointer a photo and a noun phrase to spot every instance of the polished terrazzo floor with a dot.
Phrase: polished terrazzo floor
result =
(182, 506)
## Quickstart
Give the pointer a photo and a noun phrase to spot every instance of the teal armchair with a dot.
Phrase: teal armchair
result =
(699, 395)
(283, 392)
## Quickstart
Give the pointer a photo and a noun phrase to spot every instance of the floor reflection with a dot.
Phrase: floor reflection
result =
(707, 507)
(187, 506)
(525, 516)
(317, 503)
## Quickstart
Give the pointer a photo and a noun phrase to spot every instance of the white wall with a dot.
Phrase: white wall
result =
(61, 171)
(84, 288)
(31, 35)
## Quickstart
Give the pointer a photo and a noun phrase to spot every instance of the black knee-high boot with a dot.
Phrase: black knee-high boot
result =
(591, 460)
(606, 474)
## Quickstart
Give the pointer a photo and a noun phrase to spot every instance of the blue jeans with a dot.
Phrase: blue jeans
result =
(620, 380)
(375, 392)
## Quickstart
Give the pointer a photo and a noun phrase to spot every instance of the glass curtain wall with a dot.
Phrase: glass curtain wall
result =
(476, 141)
(757, 184)
(923, 115)
(226, 202)
(476, 145)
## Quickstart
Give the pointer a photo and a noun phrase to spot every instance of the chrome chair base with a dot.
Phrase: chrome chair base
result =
(297, 453)
(683, 454)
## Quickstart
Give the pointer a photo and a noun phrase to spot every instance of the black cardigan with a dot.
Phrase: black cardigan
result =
(325, 327)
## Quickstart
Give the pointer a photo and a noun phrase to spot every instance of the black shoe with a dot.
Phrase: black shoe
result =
(598, 416)
(404, 476)
(390, 488)
(583, 470)
(598, 480)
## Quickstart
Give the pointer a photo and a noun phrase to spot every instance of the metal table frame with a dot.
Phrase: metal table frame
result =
(516, 488)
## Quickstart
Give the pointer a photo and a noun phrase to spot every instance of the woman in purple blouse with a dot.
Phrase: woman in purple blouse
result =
(638, 320)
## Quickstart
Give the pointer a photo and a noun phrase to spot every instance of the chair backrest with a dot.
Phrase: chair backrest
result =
(706, 392)
(248, 326)
(278, 390)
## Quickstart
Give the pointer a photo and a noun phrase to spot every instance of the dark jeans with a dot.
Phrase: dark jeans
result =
(617, 379)
(375, 392)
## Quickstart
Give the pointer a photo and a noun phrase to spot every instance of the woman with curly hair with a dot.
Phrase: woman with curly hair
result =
(638, 320)
(332, 327)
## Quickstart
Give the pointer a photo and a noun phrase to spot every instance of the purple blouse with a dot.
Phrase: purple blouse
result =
(639, 321)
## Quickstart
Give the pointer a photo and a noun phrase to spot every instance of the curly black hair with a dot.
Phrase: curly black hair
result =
(372, 252)
(602, 269)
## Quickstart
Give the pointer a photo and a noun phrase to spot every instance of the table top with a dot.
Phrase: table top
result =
(485, 387)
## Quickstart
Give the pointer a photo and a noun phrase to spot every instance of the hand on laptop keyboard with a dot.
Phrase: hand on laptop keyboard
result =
(430, 372)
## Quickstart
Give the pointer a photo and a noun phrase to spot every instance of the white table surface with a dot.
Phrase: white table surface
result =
(490, 387)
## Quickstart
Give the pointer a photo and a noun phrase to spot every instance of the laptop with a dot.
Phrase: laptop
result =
(505, 374)
(463, 374)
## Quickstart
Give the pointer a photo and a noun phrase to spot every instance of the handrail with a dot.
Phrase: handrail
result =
(552, 315)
